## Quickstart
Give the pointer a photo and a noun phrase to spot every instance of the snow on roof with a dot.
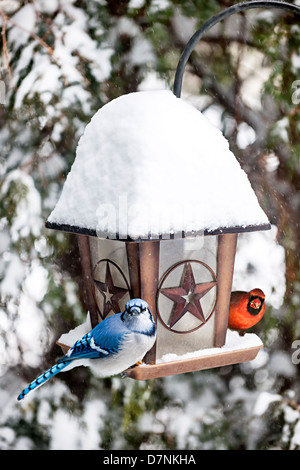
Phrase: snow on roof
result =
(151, 163)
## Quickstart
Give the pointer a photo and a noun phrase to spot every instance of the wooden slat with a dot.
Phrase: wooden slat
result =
(149, 269)
(225, 265)
(87, 269)
(133, 258)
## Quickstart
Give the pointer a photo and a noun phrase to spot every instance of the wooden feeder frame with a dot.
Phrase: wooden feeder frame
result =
(143, 263)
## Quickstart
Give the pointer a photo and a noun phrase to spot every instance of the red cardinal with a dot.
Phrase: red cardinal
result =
(246, 309)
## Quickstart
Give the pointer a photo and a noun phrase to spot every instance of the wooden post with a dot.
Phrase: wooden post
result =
(133, 258)
(143, 264)
(225, 265)
(87, 269)
(149, 266)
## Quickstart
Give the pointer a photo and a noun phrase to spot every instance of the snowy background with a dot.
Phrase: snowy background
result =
(60, 63)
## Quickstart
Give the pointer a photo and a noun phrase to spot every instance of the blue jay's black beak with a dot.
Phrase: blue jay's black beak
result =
(135, 311)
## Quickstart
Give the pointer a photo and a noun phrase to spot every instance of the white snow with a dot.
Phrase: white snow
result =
(26, 19)
(295, 62)
(57, 69)
(234, 342)
(28, 327)
(27, 217)
(36, 282)
(73, 335)
(295, 441)
(263, 401)
(280, 364)
(245, 136)
(172, 166)
(71, 431)
(14, 274)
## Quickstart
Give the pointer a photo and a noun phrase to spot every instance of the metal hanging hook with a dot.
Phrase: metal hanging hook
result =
(216, 19)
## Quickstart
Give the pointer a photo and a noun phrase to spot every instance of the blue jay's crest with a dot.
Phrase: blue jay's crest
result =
(118, 342)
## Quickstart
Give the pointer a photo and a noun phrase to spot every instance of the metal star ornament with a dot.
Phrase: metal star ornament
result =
(187, 296)
(111, 293)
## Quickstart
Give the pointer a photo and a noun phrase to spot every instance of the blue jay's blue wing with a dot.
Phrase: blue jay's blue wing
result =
(85, 348)
(104, 340)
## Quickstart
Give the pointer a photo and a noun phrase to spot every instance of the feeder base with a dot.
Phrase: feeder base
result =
(146, 372)
(237, 349)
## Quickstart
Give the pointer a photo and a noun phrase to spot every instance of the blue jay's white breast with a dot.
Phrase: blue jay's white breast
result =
(133, 350)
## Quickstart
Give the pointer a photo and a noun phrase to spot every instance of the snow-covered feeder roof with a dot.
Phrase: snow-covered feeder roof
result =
(150, 164)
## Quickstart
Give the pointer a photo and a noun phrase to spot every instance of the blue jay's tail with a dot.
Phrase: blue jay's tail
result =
(44, 377)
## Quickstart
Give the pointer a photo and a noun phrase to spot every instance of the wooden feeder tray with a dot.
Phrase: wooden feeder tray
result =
(221, 358)
(181, 366)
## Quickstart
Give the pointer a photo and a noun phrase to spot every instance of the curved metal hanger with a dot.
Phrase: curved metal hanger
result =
(214, 20)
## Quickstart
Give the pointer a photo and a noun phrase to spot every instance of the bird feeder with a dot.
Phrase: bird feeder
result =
(157, 201)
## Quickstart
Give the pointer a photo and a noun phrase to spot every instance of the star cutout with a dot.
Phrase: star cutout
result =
(187, 296)
(111, 294)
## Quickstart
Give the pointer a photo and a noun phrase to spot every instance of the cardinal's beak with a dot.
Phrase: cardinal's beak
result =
(255, 303)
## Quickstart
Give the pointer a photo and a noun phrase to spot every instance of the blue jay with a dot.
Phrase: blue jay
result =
(118, 342)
